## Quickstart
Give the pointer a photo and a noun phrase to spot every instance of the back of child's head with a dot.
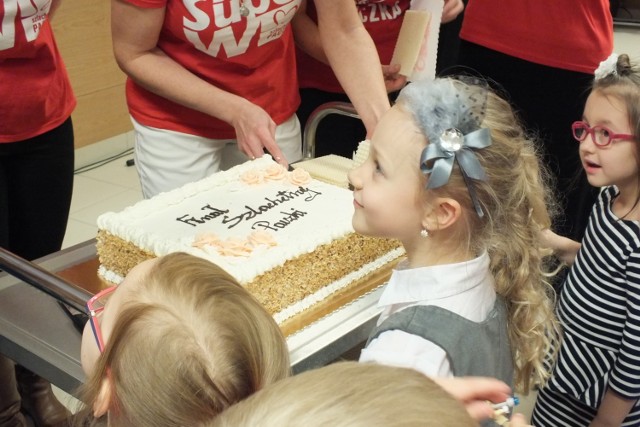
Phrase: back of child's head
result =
(349, 394)
(620, 78)
(504, 198)
(189, 342)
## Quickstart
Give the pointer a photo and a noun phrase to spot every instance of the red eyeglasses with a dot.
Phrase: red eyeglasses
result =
(95, 306)
(600, 135)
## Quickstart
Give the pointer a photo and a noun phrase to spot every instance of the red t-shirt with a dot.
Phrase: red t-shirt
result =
(381, 18)
(35, 92)
(571, 35)
(253, 57)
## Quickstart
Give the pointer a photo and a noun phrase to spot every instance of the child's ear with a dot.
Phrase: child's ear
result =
(446, 212)
(103, 400)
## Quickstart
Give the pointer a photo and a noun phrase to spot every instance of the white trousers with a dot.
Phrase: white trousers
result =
(167, 159)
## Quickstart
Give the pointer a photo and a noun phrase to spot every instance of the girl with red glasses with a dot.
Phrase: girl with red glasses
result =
(178, 341)
(596, 380)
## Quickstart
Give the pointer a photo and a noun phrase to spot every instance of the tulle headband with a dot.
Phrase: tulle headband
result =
(449, 112)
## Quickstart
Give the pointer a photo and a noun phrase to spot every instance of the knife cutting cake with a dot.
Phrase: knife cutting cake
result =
(284, 236)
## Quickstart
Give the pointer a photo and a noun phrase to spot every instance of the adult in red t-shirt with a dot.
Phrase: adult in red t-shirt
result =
(544, 53)
(318, 84)
(203, 76)
(36, 171)
(206, 75)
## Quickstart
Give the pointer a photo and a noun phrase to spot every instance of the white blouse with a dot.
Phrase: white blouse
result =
(465, 288)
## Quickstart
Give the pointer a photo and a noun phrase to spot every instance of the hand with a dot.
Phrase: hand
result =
(565, 249)
(255, 132)
(613, 409)
(476, 393)
(452, 9)
(392, 80)
(517, 420)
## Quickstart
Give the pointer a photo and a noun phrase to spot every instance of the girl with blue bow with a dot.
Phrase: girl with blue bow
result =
(454, 177)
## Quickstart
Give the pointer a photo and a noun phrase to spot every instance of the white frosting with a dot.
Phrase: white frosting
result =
(109, 275)
(362, 153)
(299, 218)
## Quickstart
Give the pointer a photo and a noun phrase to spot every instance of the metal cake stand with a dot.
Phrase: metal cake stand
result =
(38, 334)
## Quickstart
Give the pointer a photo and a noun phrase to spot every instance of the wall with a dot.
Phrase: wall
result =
(627, 10)
(627, 40)
(82, 30)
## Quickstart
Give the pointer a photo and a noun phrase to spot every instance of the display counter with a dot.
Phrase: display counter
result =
(38, 334)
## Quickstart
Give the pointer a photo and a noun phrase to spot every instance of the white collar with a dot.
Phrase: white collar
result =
(410, 285)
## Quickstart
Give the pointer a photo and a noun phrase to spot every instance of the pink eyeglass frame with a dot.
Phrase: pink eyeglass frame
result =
(93, 313)
(592, 131)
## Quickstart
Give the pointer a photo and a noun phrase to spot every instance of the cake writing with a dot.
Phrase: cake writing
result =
(250, 212)
(282, 223)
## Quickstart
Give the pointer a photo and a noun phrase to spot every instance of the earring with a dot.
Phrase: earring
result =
(424, 232)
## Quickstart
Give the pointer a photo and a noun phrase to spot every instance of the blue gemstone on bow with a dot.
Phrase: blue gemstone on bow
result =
(438, 157)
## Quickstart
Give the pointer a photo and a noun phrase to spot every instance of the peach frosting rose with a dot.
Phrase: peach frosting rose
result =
(205, 239)
(275, 173)
(252, 177)
(299, 177)
(235, 247)
(262, 237)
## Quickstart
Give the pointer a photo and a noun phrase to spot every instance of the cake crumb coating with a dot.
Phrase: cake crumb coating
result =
(283, 285)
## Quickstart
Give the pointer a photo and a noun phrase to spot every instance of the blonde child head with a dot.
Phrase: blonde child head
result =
(186, 342)
(444, 213)
(349, 394)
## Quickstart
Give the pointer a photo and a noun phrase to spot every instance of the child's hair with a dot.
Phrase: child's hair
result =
(349, 394)
(622, 81)
(515, 203)
(188, 342)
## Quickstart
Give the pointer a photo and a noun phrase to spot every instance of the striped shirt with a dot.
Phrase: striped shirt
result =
(599, 309)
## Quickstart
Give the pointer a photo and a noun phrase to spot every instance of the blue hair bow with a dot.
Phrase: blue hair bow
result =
(453, 145)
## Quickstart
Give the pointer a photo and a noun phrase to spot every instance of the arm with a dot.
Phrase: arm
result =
(565, 248)
(612, 411)
(306, 34)
(452, 8)
(354, 58)
(623, 389)
(517, 420)
(135, 33)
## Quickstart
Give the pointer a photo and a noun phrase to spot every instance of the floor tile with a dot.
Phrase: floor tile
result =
(114, 203)
(88, 191)
(97, 152)
(116, 172)
(67, 400)
(78, 232)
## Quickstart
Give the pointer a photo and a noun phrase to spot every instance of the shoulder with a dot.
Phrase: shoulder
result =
(400, 348)
(606, 195)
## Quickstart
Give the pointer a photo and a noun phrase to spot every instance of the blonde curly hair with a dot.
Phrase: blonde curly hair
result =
(516, 202)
